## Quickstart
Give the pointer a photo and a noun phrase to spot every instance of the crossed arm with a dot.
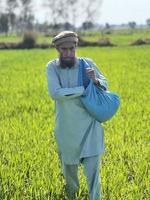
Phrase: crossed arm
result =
(58, 93)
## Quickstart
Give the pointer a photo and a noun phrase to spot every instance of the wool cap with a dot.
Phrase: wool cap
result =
(65, 36)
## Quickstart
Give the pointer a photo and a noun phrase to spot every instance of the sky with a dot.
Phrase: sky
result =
(123, 11)
(112, 11)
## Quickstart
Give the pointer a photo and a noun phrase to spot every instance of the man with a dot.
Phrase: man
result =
(78, 135)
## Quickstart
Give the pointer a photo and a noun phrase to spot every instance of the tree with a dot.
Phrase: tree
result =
(107, 26)
(4, 23)
(42, 27)
(132, 25)
(54, 10)
(0, 6)
(93, 9)
(11, 5)
(87, 25)
(73, 8)
(68, 26)
(72, 11)
(148, 22)
(84, 11)
(58, 10)
(26, 18)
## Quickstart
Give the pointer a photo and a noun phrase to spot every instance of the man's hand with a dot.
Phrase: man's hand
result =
(91, 74)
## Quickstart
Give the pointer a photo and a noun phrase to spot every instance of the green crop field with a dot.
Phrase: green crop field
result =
(29, 167)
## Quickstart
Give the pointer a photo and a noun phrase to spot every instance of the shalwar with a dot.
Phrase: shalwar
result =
(78, 134)
(91, 170)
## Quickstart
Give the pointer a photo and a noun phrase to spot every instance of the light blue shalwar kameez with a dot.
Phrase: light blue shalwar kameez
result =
(80, 138)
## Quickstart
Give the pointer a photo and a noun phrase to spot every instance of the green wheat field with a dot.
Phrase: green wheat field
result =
(29, 165)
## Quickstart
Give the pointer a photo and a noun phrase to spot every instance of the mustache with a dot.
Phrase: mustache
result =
(67, 62)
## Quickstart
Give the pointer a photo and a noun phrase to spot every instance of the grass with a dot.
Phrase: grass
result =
(118, 37)
(29, 167)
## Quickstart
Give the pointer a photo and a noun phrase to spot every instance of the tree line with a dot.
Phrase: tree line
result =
(19, 16)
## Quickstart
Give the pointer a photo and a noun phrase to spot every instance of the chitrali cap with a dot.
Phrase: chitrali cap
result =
(65, 36)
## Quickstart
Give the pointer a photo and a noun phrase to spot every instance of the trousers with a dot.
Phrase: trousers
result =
(91, 166)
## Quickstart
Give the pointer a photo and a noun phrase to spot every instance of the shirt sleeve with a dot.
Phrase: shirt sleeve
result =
(56, 91)
(103, 83)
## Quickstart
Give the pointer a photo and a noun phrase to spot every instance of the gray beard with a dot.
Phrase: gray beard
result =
(67, 63)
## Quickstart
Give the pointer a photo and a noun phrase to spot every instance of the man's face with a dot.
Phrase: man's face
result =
(67, 54)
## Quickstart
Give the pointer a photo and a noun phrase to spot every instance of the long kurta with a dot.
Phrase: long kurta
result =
(77, 133)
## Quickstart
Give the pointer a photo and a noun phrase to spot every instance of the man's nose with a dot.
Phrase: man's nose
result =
(68, 52)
